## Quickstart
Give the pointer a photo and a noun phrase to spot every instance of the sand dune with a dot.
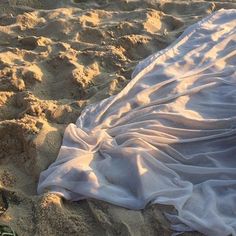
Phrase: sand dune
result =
(57, 56)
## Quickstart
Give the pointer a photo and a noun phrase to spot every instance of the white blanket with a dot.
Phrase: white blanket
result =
(168, 137)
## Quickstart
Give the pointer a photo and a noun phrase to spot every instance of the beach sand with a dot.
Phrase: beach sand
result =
(57, 56)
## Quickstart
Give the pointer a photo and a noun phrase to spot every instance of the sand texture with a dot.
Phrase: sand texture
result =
(57, 56)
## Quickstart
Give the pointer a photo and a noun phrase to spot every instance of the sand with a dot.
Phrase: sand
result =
(57, 56)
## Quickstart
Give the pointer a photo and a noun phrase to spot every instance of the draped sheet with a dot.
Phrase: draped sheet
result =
(168, 137)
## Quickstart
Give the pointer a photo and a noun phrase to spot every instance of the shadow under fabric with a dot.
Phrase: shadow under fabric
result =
(168, 137)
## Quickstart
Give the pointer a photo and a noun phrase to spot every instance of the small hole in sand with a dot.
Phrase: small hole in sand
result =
(29, 43)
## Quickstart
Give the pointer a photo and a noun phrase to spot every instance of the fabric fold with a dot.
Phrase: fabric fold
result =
(168, 137)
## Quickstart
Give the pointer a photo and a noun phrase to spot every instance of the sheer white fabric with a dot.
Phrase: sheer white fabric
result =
(168, 137)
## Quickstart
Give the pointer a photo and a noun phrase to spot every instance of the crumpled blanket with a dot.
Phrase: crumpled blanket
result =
(168, 137)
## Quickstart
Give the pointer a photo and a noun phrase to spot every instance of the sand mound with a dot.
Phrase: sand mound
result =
(55, 58)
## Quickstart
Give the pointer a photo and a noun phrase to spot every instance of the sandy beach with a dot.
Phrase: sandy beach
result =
(56, 57)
